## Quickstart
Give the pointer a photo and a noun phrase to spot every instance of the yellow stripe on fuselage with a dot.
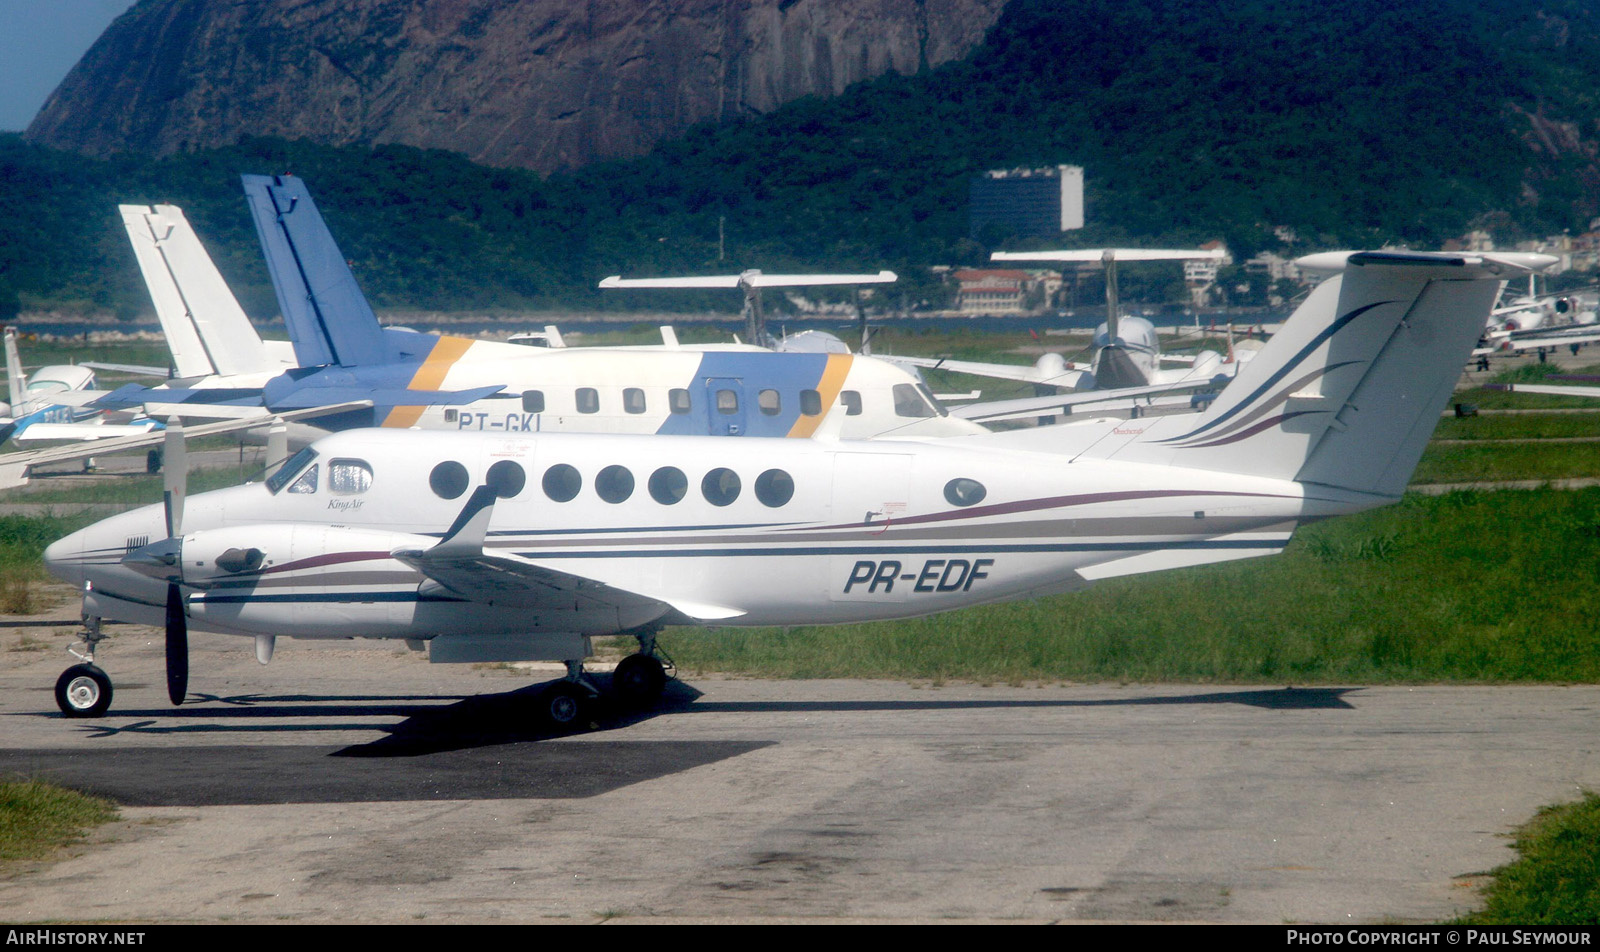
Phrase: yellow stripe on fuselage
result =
(430, 376)
(833, 376)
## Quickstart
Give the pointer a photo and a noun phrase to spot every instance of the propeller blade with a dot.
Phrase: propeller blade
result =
(177, 647)
(175, 476)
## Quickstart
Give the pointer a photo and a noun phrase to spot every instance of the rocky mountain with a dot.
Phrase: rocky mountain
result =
(539, 84)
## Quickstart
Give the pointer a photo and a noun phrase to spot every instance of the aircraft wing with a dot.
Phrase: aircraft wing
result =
(142, 369)
(48, 432)
(17, 464)
(237, 402)
(1547, 340)
(1027, 373)
(459, 564)
(1547, 389)
(999, 410)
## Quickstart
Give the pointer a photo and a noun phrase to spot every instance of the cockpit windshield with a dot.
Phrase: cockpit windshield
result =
(290, 469)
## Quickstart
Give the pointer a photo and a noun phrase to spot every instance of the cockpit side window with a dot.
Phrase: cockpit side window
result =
(307, 483)
(290, 469)
(349, 477)
(909, 402)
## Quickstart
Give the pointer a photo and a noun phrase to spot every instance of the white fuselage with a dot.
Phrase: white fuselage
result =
(870, 531)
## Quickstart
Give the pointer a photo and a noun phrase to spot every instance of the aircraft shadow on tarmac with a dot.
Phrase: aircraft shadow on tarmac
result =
(1284, 699)
(507, 718)
(464, 722)
(473, 748)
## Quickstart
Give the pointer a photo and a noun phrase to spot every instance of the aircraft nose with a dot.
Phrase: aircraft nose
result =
(63, 558)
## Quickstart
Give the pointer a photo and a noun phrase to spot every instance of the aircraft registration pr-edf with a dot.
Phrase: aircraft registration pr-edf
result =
(525, 546)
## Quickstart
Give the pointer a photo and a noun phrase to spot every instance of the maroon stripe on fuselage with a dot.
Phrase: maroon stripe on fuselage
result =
(1054, 502)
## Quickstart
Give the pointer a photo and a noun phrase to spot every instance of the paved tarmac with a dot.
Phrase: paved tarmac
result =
(347, 783)
(354, 782)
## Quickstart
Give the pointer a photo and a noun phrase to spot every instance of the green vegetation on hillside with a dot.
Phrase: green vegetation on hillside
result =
(1352, 124)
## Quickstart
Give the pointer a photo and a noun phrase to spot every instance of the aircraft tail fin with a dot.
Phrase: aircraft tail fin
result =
(328, 317)
(16, 383)
(1348, 392)
(206, 330)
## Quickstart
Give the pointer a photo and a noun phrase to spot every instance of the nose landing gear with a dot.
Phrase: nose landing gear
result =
(84, 690)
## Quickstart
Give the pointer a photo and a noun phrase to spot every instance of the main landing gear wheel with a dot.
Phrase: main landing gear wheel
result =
(83, 690)
(639, 679)
(564, 705)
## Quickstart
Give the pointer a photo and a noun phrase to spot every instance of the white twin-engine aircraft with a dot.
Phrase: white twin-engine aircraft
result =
(225, 370)
(524, 546)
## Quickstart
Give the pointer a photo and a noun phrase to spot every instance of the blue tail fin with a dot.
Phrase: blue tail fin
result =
(328, 318)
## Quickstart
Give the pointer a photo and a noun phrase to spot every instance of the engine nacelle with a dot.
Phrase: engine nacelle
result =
(303, 553)
(1207, 363)
(1051, 364)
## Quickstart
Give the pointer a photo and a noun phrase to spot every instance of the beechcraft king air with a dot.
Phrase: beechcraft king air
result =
(493, 546)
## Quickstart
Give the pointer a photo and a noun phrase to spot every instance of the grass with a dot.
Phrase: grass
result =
(22, 544)
(37, 818)
(137, 490)
(1468, 463)
(1431, 589)
(1533, 426)
(1556, 878)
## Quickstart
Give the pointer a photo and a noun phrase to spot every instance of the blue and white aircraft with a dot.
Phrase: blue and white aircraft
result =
(442, 382)
(36, 412)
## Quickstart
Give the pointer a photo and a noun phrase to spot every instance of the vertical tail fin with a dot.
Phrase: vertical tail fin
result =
(328, 318)
(1350, 389)
(206, 330)
(16, 383)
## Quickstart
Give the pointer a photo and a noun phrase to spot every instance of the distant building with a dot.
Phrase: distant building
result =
(1027, 203)
(993, 290)
(1200, 274)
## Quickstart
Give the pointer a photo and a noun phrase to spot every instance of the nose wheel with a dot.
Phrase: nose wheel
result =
(83, 690)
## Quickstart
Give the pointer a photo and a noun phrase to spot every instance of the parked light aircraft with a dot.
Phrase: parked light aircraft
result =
(492, 546)
(751, 282)
(431, 381)
(36, 411)
(1127, 349)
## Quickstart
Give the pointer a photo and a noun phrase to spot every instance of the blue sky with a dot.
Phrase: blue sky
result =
(40, 40)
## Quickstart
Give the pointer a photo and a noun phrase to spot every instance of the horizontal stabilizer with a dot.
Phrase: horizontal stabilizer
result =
(1117, 254)
(751, 279)
(1096, 400)
(1243, 545)
(1069, 375)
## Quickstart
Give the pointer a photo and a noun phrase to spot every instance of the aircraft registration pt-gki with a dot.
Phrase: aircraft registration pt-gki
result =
(493, 547)
(441, 382)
